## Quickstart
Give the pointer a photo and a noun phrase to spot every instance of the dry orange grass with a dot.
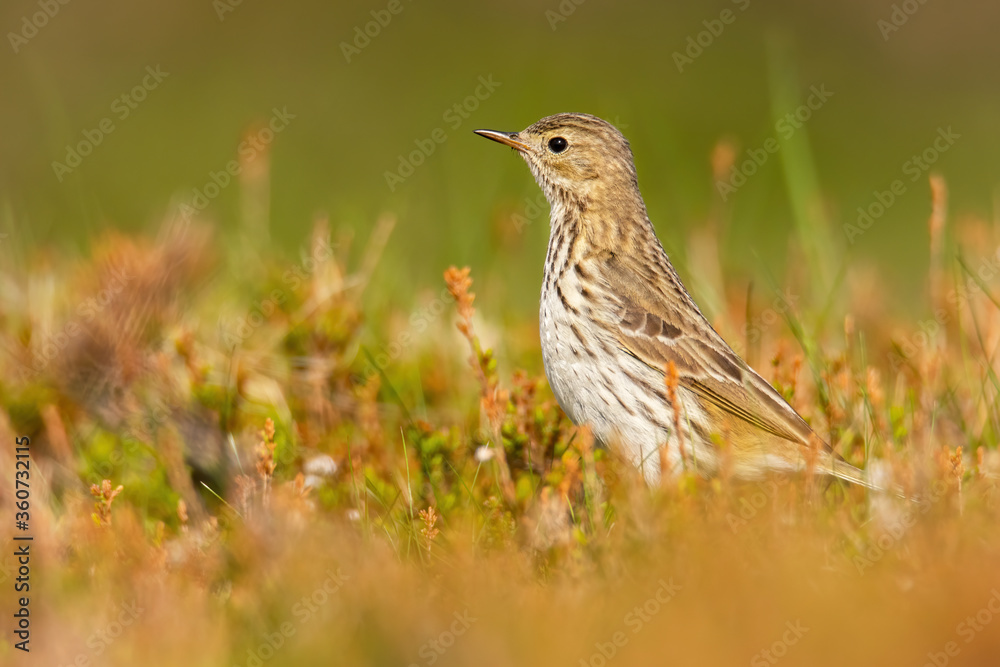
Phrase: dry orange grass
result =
(285, 502)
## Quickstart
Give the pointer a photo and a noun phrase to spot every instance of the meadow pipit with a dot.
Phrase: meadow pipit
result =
(615, 317)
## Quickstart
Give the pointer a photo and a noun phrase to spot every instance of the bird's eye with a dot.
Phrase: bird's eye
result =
(558, 144)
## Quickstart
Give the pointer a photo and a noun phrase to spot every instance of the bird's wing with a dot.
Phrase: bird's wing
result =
(655, 321)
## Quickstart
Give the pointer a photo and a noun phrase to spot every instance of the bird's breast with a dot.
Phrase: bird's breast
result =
(596, 383)
(593, 380)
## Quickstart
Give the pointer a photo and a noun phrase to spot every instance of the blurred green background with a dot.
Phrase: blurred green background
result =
(230, 64)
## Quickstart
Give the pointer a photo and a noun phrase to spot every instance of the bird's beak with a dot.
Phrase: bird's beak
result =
(505, 138)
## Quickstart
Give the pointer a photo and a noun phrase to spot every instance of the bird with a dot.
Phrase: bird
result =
(616, 323)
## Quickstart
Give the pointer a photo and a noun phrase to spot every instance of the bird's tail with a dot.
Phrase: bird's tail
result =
(845, 471)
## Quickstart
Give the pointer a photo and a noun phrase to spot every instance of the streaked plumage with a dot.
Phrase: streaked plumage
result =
(614, 313)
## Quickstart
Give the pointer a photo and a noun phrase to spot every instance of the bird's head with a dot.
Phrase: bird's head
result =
(574, 157)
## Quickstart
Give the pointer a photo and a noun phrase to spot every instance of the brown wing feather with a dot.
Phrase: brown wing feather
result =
(651, 330)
